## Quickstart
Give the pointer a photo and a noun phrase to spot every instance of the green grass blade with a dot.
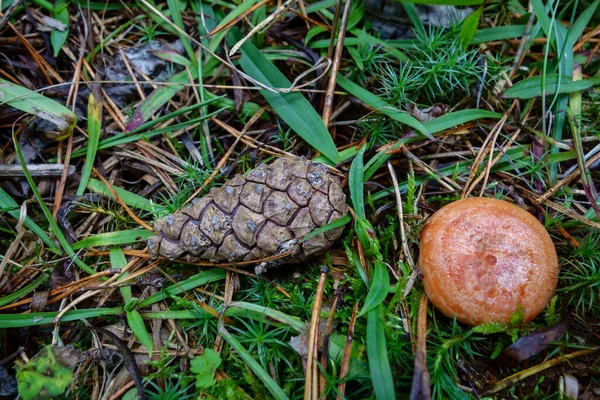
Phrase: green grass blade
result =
(380, 105)
(355, 182)
(498, 33)
(378, 291)
(131, 199)
(415, 18)
(456, 118)
(53, 225)
(379, 364)
(57, 37)
(251, 363)
(554, 83)
(174, 7)
(202, 278)
(338, 223)
(94, 130)
(469, 27)
(25, 290)
(44, 318)
(112, 238)
(292, 107)
(447, 2)
(36, 104)
(581, 23)
(7, 202)
(118, 261)
(136, 323)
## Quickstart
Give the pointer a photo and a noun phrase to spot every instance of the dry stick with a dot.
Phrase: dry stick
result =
(61, 184)
(420, 384)
(483, 152)
(135, 81)
(566, 180)
(325, 349)
(127, 209)
(336, 64)
(347, 352)
(225, 157)
(519, 376)
(311, 391)
(400, 215)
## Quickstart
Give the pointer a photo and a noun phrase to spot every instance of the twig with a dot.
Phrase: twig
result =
(43, 170)
(421, 389)
(336, 64)
(347, 352)
(311, 390)
(400, 215)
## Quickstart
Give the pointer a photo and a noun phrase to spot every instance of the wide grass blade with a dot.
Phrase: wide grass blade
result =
(112, 238)
(136, 323)
(467, 32)
(378, 291)
(382, 106)
(355, 182)
(44, 318)
(94, 130)
(548, 85)
(292, 107)
(379, 364)
(36, 104)
(456, 118)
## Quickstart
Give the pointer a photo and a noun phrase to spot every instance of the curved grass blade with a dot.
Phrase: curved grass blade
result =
(44, 318)
(355, 182)
(57, 232)
(456, 118)
(382, 106)
(380, 284)
(554, 83)
(112, 238)
(41, 106)
(24, 291)
(131, 199)
(338, 223)
(136, 323)
(292, 107)
(379, 364)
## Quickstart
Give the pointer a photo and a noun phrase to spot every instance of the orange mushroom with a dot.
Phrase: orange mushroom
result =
(482, 259)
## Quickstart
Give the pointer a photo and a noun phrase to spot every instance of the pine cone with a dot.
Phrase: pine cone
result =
(266, 212)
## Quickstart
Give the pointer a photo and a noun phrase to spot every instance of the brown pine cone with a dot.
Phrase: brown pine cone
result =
(266, 212)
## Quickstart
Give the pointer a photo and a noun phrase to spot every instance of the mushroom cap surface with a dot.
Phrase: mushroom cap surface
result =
(482, 258)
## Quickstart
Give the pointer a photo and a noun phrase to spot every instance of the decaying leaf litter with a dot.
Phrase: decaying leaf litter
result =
(113, 116)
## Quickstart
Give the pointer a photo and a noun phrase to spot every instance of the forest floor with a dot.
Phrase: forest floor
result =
(115, 114)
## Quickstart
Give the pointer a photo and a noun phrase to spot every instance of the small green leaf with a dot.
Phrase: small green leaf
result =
(378, 291)
(380, 105)
(131, 199)
(533, 87)
(136, 323)
(204, 368)
(467, 31)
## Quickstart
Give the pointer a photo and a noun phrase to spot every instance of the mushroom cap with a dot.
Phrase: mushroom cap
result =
(483, 258)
